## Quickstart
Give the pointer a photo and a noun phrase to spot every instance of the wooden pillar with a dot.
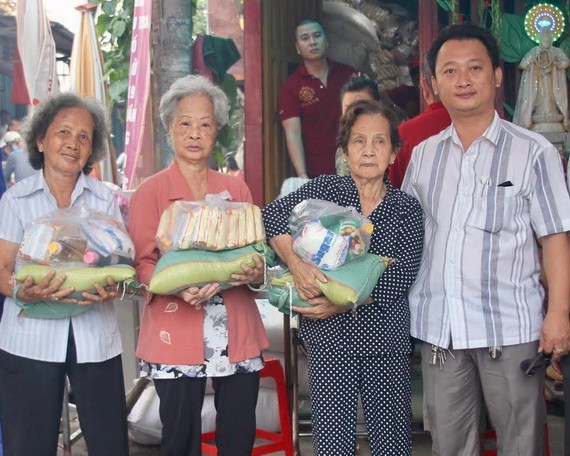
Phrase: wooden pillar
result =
(253, 154)
(427, 11)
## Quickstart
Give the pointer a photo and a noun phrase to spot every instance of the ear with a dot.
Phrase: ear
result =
(297, 48)
(40, 145)
(498, 76)
(434, 86)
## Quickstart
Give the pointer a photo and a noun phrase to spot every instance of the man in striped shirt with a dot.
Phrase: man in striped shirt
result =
(488, 189)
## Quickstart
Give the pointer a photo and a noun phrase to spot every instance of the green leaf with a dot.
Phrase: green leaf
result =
(117, 89)
(109, 7)
(515, 43)
(102, 24)
(119, 28)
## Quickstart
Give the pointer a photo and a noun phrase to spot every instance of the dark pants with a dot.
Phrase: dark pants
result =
(31, 396)
(181, 399)
(565, 362)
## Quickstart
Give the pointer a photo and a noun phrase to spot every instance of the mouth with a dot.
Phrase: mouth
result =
(70, 157)
(465, 95)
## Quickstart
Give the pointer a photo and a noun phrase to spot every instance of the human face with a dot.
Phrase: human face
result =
(67, 144)
(193, 129)
(311, 42)
(369, 149)
(350, 97)
(465, 79)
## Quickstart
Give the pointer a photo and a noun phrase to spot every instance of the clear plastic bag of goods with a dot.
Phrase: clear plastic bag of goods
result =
(216, 223)
(328, 235)
(76, 236)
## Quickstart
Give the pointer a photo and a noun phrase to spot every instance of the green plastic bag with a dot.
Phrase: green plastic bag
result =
(180, 269)
(349, 285)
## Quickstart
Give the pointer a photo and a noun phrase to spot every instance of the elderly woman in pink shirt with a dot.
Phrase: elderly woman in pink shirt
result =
(201, 332)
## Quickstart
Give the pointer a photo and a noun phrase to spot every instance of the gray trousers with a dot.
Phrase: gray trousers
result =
(454, 394)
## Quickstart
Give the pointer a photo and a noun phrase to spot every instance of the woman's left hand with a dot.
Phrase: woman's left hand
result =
(197, 296)
(254, 276)
(321, 308)
(109, 292)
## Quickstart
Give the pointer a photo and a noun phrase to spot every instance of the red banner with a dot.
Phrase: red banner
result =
(138, 135)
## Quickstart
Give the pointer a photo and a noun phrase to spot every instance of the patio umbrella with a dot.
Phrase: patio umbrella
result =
(37, 50)
(86, 79)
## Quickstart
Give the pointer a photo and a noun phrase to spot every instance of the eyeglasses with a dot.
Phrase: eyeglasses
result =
(531, 365)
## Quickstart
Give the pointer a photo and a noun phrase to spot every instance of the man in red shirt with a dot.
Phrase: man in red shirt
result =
(308, 103)
(412, 132)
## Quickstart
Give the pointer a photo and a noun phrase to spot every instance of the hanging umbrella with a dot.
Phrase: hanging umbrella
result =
(37, 50)
(86, 79)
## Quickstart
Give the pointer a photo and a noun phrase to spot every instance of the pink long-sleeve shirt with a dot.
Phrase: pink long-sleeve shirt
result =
(172, 330)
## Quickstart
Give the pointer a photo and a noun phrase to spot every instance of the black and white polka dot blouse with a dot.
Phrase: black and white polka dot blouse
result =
(384, 326)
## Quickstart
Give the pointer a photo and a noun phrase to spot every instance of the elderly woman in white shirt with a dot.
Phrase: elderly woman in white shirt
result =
(64, 138)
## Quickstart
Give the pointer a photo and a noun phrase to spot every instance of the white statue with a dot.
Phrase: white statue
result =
(542, 102)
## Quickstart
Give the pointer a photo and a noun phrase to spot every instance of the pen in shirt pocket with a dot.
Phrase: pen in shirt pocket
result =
(505, 184)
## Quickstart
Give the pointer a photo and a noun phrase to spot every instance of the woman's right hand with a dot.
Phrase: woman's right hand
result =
(305, 276)
(197, 296)
(47, 289)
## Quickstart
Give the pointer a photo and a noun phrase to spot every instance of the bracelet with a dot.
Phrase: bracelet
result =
(20, 304)
(15, 292)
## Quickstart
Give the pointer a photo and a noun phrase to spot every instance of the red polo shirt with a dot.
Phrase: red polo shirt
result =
(412, 132)
(304, 96)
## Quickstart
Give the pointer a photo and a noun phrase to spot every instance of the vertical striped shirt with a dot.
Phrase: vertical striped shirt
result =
(96, 330)
(478, 281)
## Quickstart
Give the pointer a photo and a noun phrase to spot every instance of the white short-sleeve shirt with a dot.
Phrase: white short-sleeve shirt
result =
(96, 331)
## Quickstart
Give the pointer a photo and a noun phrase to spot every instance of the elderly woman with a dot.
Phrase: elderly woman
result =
(202, 332)
(355, 89)
(64, 137)
(364, 352)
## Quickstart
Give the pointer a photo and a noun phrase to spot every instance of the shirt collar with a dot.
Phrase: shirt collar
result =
(490, 134)
(177, 185)
(305, 73)
(37, 183)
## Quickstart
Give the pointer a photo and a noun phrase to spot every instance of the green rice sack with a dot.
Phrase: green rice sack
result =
(349, 285)
(179, 269)
(82, 279)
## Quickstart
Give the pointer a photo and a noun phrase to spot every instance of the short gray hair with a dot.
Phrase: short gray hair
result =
(36, 126)
(192, 85)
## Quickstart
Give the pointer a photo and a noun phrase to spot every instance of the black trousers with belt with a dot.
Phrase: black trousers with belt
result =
(235, 399)
(31, 396)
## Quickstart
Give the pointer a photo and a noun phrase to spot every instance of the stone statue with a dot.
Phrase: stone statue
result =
(542, 101)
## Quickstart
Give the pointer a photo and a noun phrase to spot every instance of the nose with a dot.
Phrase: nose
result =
(463, 79)
(194, 131)
(369, 150)
(72, 142)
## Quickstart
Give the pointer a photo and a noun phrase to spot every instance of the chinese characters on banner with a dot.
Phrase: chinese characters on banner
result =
(138, 135)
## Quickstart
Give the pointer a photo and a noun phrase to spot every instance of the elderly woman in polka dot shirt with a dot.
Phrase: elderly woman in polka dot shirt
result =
(365, 352)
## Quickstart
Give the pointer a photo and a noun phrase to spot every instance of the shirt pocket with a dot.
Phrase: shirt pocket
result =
(493, 210)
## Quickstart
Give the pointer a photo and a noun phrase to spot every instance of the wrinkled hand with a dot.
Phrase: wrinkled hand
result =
(305, 276)
(321, 308)
(47, 289)
(250, 275)
(109, 292)
(197, 296)
(555, 336)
